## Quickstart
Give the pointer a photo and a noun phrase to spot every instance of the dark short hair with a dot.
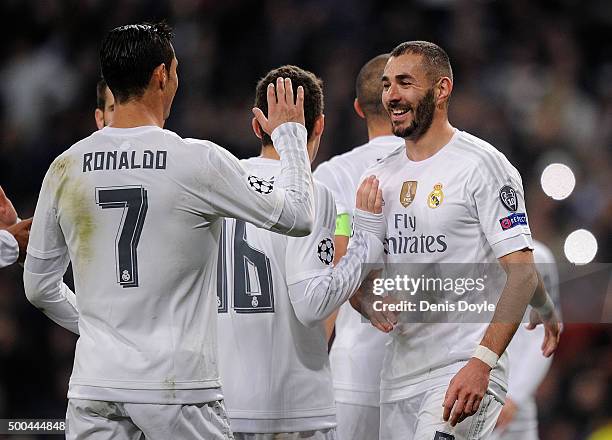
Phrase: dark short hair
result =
(368, 86)
(129, 54)
(101, 94)
(436, 59)
(313, 94)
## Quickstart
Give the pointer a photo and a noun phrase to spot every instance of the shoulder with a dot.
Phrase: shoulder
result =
(325, 204)
(481, 155)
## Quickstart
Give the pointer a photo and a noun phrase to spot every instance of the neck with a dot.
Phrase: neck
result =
(269, 152)
(377, 128)
(137, 113)
(438, 135)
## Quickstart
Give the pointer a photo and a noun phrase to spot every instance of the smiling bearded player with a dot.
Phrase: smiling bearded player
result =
(449, 198)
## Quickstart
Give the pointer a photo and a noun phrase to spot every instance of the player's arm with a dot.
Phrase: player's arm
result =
(286, 205)
(13, 235)
(315, 298)
(46, 262)
(504, 223)
(341, 241)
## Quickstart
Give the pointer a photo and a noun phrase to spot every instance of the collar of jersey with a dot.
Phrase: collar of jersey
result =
(132, 131)
(438, 153)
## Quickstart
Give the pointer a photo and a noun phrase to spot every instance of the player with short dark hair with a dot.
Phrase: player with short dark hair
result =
(138, 211)
(357, 351)
(449, 198)
(105, 105)
(275, 293)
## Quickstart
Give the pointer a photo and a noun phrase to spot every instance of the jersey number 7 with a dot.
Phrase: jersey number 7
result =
(133, 201)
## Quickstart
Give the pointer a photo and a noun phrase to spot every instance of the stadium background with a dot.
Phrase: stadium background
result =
(531, 77)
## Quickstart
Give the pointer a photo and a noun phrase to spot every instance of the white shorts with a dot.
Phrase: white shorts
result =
(514, 433)
(321, 434)
(99, 420)
(420, 418)
(357, 422)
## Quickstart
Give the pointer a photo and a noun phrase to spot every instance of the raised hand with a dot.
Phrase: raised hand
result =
(8, 215)
(369, 196)
(282, 107)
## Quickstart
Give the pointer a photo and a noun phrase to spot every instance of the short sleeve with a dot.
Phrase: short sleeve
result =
(329, 176)
(312, 256)
(46, 237)
(499, 203)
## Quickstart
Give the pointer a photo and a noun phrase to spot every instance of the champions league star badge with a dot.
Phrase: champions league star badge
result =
(434, 199)
(408, 192)
(508, 198)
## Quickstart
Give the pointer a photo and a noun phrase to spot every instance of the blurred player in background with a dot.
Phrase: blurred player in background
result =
(519, 416)
(449, 198)
(358, 349)
(275, 293)
(146, 360)
(14, 234)
(105, 105)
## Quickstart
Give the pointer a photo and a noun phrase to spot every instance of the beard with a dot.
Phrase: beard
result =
(423, 115)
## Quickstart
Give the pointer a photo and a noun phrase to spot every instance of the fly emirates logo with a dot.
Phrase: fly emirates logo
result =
(404, 239)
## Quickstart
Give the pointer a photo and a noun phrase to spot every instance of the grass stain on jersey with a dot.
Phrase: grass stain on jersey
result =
(74, 203)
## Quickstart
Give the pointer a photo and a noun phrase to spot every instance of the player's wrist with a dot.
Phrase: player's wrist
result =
(547, 309)
(366, 221)
(292, 129)
(485, 356)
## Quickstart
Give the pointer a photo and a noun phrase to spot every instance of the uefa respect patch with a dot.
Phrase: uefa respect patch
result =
(518, 218)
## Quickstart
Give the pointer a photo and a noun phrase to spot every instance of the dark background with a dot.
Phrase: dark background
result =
(534, 78)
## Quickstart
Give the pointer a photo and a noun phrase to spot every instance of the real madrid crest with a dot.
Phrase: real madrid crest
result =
(435, 198)
(408, 192)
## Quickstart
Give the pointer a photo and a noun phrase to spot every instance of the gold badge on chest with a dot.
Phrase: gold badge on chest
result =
(408, 192)
(435, 198)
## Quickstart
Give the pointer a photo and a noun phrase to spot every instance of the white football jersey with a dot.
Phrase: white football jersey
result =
(139, 211)
(528, 366)
(464, 204)
(358, 349)
(275, 370)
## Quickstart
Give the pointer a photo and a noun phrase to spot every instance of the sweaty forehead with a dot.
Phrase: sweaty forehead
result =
(406, 64)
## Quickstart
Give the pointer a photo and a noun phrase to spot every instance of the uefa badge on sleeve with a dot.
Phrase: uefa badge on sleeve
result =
(325, 251)
(260, 185)
(509, 198)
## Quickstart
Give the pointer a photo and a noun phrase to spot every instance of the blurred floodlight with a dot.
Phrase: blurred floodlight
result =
(558, 181)
(580, 247)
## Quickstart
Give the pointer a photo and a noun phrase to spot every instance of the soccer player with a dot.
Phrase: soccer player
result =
(275, 293)
(358, 349)
(105, 105)
(138, 210)
(14, 234)
(519, 416)
(449, 198)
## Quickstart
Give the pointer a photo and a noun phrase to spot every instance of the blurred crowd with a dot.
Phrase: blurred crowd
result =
(531, 77)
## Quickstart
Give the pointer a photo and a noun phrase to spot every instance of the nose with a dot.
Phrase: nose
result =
(391, 94)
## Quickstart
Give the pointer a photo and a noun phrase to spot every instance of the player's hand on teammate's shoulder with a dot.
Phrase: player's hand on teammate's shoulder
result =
(21, 232)
(552, 330)
(8, 215)
(466, 391)
(282, 106)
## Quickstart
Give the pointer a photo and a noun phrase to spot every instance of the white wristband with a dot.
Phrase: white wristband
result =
(486, 355)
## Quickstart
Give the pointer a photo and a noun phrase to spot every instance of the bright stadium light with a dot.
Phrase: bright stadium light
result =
(558, 181)
(580, 247)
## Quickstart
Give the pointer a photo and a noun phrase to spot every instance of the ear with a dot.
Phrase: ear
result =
(319, 125)
(358, 109)
(160, 76)
(99, 117)
(445, 88)
(256, 128)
